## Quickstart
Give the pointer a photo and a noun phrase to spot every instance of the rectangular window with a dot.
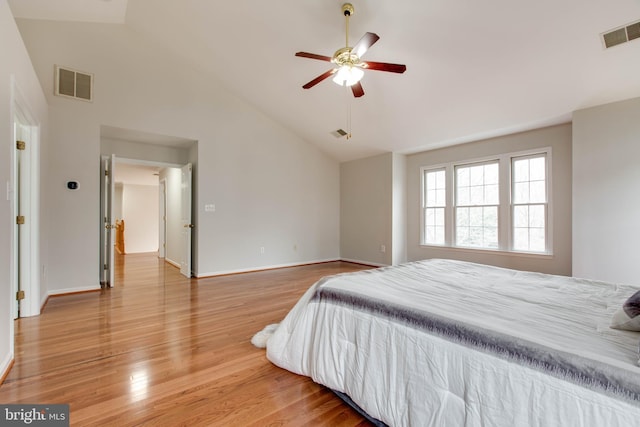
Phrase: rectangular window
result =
(435, 186)
(529, 203)
(476, 207)
(498, 203)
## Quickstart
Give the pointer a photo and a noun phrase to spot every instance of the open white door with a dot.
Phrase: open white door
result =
(107, 234)
(185, 220)
(25, 240)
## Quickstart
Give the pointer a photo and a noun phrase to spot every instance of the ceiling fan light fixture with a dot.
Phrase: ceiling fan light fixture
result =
(348, 75)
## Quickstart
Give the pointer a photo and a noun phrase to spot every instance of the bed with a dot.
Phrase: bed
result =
(451, 343)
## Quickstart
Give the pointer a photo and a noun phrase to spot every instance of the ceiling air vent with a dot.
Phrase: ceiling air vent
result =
(621, 35)
(338, 133)
(73, 84)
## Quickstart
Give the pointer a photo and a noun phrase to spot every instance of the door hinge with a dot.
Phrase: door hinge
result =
(20, 219)
(19, 295)
(106, 267)
(21, 145)
(106, 172)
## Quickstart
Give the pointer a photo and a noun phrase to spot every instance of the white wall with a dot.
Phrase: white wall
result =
(270, 188)
(606, 192)
(556, 137)
(146, 152)
(140, 214)
(15, 65)
(117, 201)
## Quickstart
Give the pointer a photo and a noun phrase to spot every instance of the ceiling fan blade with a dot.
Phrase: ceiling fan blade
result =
(313, 56)
(384, 66)
(364, 44)
(318, 79)
(357, 90)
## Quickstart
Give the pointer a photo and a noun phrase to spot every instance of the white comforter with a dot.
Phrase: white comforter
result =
(402, 374)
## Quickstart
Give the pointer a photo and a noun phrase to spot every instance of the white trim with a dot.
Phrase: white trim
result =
(59, 292)
(272, 267)
(6, 364)
(539, 255)
(175, 264)
(21, 109)
(357, 261)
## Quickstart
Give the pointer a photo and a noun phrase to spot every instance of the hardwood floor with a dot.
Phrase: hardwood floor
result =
(160, 349)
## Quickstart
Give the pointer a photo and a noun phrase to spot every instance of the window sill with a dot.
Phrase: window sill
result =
(537, 255)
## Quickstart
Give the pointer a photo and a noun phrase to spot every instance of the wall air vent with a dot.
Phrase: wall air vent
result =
(621, 35)
(73, 84)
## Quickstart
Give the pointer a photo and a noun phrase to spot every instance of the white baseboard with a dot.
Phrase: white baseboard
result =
(175, 264)
(357, 261)
(6, 364)
(264, 267)
(72, 290)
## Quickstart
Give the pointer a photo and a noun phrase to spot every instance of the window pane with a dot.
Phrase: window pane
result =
(475, 217)
(477, 227)
(536, 240)
(491, 237)
(491, 173)
(462, 236)
(435, 188)
(521, 216)
(463, 196)
(434, 226)
(476, 175)
(477, 185)
(536, 216)
(476, 194)
(462, 176)
(529, 197)
(439, 217)
(537, 192)
(521, 170)
(490, 216)
(521, 192)
(537, 168)
(462, 217)
(491, 194)
(521, 239)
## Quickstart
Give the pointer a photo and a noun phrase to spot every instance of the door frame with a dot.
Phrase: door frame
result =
(25, 268)
(110, 202)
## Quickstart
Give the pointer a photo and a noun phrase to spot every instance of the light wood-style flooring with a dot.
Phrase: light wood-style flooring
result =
(159, 349)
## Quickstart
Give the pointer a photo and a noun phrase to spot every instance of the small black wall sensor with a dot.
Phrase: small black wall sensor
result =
(72, 185)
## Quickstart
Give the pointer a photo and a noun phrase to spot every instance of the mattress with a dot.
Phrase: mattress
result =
(451, 343)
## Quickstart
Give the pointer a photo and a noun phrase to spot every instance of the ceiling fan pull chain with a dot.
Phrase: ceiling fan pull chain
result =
(348, 112)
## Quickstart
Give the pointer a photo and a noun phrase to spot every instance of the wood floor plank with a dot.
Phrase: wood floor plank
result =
(161, 349)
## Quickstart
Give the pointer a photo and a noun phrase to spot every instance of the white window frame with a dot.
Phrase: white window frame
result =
(505, 208)
(424, 207)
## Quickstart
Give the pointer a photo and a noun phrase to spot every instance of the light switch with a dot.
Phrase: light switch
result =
(209, 208)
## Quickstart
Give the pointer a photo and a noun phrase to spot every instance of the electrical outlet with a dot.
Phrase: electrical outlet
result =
(383, 248)
(262, 249)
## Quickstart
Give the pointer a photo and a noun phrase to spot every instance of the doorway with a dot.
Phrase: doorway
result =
(168, 154)
(147, 212)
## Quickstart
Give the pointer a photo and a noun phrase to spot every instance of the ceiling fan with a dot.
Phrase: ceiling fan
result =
(349, 66)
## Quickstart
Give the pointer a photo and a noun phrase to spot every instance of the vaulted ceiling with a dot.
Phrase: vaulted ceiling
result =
(474, 69)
